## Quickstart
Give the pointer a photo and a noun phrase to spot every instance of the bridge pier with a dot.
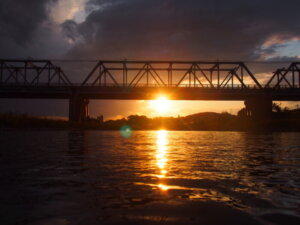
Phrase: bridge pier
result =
(78, 109)
(259, 108)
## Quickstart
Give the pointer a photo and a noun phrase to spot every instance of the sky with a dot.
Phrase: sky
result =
(248, 30)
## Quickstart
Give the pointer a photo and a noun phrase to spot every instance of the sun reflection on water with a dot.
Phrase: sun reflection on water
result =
(161, 156)
(163, 187)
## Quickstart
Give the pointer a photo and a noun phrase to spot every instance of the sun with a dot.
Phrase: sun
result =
(161, 105)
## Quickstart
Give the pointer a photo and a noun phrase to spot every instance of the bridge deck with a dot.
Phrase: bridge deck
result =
(148, 93)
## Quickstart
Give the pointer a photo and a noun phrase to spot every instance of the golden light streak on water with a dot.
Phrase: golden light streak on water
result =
(161, 156)
(163, 187)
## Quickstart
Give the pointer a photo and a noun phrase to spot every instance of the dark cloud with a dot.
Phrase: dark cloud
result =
(70, 30)
(188, 29)
(20, 19)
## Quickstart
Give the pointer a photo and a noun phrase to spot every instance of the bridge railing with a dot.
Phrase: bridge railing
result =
(204, 86)
(112, 85)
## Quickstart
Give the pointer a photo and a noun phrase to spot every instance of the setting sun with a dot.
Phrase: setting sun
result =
(161, 105)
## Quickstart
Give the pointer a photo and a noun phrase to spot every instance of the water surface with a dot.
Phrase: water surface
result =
(153, 177)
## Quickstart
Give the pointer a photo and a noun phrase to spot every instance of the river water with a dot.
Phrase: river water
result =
(151, 177)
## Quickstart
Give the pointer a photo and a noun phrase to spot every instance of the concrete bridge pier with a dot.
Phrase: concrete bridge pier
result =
(258, 108)
(78, 109)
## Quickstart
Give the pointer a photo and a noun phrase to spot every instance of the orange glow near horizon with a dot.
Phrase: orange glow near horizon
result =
(160, 106)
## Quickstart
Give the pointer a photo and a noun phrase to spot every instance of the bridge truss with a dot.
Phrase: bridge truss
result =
(171, 74)
(285, 77)
(31, 73)
(130, 74)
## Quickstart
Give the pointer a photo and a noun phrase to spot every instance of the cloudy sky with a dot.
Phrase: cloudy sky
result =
(248, 30)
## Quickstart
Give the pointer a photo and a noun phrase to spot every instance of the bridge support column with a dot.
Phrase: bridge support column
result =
(259, 108)
(78, 109)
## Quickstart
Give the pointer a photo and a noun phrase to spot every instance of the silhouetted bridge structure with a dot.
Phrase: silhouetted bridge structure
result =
(145, 80)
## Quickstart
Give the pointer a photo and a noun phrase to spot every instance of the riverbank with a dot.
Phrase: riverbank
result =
(207, 121)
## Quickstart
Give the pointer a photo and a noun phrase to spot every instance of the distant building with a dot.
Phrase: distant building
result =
(100, 118)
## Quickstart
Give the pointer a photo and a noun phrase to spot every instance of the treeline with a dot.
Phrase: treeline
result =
(281, 120)
(11, 120)
(200, 121)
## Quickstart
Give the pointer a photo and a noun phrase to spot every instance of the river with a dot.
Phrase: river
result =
(151, 177)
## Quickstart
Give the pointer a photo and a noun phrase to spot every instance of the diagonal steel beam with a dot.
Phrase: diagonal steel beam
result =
(91, 73)
(186, 73)
(283, 76)
(202, 72)
(250, 74)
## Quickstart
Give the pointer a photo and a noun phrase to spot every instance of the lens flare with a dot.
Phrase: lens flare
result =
(126, 131)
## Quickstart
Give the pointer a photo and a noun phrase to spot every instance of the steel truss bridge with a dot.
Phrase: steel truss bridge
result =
(142, 80)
